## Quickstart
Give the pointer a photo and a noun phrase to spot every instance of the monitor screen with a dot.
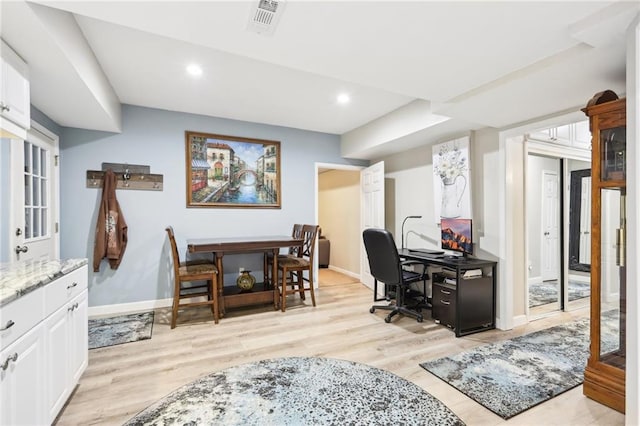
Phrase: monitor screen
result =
(456, 235)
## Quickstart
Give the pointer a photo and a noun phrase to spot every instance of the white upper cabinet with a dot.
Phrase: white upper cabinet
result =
(582, 135)
(576, 135)
(14, 94)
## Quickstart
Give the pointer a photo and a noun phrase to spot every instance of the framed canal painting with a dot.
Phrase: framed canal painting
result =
(230, 171)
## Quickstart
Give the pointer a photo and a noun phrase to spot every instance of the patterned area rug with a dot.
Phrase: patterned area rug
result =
(299, 391)
(547, 292)
(121, 329)
(512, 376)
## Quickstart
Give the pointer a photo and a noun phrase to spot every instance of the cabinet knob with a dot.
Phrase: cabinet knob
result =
(4, 107)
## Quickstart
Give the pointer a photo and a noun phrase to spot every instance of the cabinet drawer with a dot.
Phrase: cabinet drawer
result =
(444, 305)
(24, 313)
(64, 289)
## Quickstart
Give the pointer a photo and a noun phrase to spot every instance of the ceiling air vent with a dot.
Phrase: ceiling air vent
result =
(265, 15)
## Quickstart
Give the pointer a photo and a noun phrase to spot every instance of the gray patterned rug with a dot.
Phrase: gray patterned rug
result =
(512, 376)
(547, 292)
(121, 329)
(299, 391)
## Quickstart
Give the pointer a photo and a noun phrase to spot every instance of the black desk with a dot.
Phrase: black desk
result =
(463, 303)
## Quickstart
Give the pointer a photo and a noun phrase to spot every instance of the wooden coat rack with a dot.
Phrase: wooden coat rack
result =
(129, 176)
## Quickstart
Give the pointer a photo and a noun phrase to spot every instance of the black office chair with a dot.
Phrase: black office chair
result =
(387, 267)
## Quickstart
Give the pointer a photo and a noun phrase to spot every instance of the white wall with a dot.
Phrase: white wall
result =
(157, 138)
(339, 217)
(409, 192)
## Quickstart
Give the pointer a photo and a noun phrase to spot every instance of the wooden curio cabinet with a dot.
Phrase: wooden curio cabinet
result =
(604, 377)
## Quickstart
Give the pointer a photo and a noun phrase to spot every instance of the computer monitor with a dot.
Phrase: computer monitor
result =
(456, 235)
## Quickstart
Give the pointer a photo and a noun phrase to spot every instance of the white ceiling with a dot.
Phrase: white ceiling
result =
(481, 63)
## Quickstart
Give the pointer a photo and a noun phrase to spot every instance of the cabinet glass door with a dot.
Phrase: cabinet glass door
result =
(613, 153)
(613, 277)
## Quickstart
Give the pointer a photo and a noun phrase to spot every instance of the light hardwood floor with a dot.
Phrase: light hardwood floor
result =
(122, 380)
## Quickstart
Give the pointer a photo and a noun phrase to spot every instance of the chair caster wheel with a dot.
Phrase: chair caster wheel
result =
(372, 310)
(419, 318)
(387, 319)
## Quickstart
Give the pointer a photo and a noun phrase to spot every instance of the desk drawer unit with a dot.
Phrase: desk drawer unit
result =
(477, 312)
(444, 304)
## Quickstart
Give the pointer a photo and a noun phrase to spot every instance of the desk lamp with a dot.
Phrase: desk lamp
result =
(405, 219)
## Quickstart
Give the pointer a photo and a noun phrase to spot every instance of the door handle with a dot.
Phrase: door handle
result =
(22, 249)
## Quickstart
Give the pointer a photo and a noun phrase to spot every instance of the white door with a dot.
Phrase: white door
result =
(56, 328)
(33, 229)
(372, 213)
(22, 395)
(550, 225)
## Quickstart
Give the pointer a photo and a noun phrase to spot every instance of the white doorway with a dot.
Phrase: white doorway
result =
(553, 217)
(338, 215)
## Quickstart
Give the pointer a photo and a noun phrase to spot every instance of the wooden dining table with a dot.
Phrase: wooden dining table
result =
(232, 296)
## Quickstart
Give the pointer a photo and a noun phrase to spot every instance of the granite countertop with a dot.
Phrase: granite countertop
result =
(18, 279)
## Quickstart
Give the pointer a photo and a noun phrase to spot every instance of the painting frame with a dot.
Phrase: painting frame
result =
(225, 171)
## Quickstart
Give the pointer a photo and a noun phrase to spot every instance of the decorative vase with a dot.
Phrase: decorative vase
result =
(452, 196)
(245, 281)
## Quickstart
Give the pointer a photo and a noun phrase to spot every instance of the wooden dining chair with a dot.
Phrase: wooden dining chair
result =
(192, 272)
(291, 268)
(296, 232)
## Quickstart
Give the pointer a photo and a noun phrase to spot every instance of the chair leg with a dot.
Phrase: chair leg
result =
(176, 302)
(313, 296)
(214, 307)
(300, 283)
(283, 294)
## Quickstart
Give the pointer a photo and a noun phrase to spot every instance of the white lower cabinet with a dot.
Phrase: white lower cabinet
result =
(39, 370)
(22, 380)
(66, 343)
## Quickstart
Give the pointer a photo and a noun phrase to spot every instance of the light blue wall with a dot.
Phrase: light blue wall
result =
(40, 118)
(157, 138)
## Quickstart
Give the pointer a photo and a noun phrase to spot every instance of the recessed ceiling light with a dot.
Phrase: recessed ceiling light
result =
(343, 98)
(194, 70)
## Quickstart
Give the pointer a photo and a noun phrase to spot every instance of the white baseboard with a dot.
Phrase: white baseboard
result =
(344, 271)
(123, 308)
(580, 278)
(519, 320)
(535, 280)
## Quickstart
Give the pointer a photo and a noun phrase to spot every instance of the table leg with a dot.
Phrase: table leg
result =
(274, 280)
(218, 257)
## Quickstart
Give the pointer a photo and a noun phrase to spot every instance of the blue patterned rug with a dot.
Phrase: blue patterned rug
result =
(121, 329)
(547, 292)
(299, 391)
(512, 376)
